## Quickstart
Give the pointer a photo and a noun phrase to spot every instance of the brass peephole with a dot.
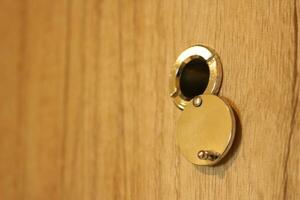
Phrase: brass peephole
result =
(206, 128)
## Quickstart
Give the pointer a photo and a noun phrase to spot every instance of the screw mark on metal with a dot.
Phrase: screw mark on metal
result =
(208, 155)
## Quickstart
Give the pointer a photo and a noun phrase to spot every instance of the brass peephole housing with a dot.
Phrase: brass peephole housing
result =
(197, 70)
(205, 129)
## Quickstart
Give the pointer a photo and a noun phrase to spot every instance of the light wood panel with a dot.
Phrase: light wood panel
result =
(84, 106)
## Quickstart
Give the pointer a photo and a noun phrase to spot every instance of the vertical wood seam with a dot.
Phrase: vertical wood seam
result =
(120, 192)
(295, 96)
(66, 92)
(20, 88)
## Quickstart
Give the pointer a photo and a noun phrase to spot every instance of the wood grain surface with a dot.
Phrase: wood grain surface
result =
(85, 111)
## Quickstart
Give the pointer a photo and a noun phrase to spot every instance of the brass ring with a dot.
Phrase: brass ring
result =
(215, 72)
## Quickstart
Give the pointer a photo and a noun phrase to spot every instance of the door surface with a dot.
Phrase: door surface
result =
(85, 111)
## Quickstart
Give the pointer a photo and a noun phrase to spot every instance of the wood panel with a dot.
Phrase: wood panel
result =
(85, 111)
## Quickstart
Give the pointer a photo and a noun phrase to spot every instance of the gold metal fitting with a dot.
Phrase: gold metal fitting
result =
(206, 127)
(213, 62)
(205, 133)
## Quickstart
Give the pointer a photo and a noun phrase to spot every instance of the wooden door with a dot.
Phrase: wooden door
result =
(85, 111)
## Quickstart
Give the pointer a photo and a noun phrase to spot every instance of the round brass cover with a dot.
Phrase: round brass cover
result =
(215, 71)
(209, 127)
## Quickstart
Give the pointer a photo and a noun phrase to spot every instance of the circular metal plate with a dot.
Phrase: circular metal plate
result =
(215, 72)
(209, 127)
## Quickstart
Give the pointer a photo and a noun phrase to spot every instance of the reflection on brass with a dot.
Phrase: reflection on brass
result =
(197, 101)
(215, 72)
(204, 134)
